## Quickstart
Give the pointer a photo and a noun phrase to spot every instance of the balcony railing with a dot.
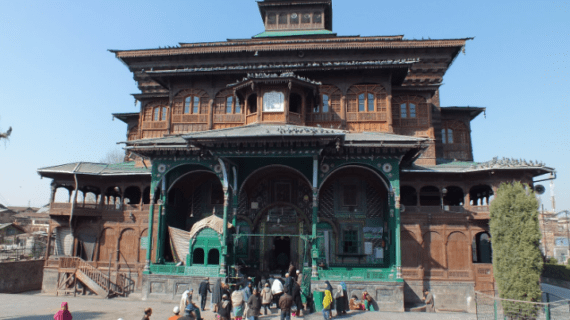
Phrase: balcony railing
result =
(445, 209)
(155, 125)
(93, 209)
(365, 116)
(189, 118)
(251, 118)
(228, 118)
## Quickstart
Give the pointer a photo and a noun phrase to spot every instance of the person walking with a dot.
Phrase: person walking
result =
(63, 313)
(176, 315)
(238, 304)
(339, 300)
(327, 304)
(217, 294)
(297, 298)
(285, 304)
(266, 298)
(254, 305)
(225, 308)
(147, 314)
(203, 292)
(184, 300)
(429, 301)
(345, 292)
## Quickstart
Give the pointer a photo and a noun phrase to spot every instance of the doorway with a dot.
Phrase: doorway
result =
(282, 247)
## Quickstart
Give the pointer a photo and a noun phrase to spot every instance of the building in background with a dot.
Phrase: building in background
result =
(294, 146)
(555, 228)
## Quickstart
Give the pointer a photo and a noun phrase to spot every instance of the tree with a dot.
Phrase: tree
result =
(515, 237)
(113, 156)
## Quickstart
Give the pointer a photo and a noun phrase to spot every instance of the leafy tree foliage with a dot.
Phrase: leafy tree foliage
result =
(515, 237)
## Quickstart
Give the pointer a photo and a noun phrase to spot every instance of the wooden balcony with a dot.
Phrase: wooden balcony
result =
(323, 117)
(251, 118)
(365, 116)
(155, 125)
(229, 118)
(295, 118)
(273, 117)
(472, 212)
(437, 274)
(189, 118)
(95, 209)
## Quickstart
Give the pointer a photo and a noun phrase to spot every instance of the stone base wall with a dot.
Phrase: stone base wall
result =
(21, 276)
(164, 287)
(448, 296)
(388, 295)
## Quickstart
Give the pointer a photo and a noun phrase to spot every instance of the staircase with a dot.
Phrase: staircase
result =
(72, 269)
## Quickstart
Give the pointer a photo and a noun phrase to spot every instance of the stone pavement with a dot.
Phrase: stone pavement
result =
(37, 306)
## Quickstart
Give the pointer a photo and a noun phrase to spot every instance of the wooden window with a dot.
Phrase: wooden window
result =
(370, 102)
(159, 114)
(326, 103)
(294, 19)
(350, 243)
(192, 104)
(366, 102)
(229, 104)
(282, 18)
(447, 135)
(407, 109)
(237, 108)
(306, 18)
(271, 18)
(317, 17)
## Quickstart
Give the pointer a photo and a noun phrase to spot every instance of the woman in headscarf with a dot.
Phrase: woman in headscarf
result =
(184, 301)
(297, 298)
(217, 294)
(224, 308)
(329, 288)
(238, 304)
(266, 298)
(327, 304)
(370, 304)
(63, 313)
(339, 300)
(345, 300)
(254, 305)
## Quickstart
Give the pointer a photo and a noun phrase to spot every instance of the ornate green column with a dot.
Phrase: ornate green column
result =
(150, 226)
(314, 249)
(224, 252)
(161, 228)
(234, 208)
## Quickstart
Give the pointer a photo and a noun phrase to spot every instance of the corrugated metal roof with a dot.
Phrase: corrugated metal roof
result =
(89, 168)
(292, 33)
(495, 164)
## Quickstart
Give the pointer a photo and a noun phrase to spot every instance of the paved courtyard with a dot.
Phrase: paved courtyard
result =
(37, 306)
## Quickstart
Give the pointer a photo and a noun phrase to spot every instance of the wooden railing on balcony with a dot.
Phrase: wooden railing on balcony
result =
(251, 118)
(323, 117)
(295, 118)
(228, 118)
(365, 116)
(273, 117)
(155, 125)
(189, 118)
(477, 210)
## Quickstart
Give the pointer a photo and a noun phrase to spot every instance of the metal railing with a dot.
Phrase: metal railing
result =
(491, 307)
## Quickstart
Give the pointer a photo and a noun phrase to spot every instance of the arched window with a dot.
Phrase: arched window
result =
(252, 103)
(483, 252)
(366, 98)
(317, 17)
(282, 18)
(198, 256)
(306, 18)
(159, 114)
(229, 104)
(409, 112)
(324, 106)
(294, 18)
(481, 195)
(326, 103)
(213, 256)
(453, 196)
(429, 196)
(365, 102)
(192, 105)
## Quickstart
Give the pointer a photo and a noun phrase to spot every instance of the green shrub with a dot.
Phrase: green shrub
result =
(552, 261)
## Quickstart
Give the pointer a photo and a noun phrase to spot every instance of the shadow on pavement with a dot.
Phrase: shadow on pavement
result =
(76, 316)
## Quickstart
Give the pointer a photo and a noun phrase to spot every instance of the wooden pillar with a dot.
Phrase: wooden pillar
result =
(304, 108)
(286, 105)
(343, 110)
(389, 113)
(211, 113)
(259, 106)
(53, 187)
(48, 246)
(161, 227)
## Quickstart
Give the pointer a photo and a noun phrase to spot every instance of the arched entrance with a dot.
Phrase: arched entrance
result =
(276, 202)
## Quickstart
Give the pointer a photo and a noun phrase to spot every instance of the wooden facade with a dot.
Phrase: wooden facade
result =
(333, 151)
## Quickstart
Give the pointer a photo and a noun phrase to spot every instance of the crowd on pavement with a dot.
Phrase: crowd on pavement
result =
(247, 300)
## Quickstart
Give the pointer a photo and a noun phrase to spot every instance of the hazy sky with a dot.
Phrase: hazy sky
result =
(60, 85)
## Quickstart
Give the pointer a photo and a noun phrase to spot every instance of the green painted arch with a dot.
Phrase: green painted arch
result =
(258, 170)
(359, 165)
(265, 209)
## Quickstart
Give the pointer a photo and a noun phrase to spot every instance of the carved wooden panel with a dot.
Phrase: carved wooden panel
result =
(323, 117)
(155, 125)
(365, 116)
(251, 118)
(193, 118)
(216, 126)
(190, 127)
(367, 126)
(133, 133)
(295, 118)
(107, 244)
(147, 134)
(421, 112)
(411, 250)
(225, 118)
(433, 251)
(128, 246)
(458, 253)
(273, 117)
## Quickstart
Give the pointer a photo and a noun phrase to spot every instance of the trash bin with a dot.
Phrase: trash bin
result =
(318, 297)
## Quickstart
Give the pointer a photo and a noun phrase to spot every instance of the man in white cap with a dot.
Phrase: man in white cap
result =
(176, 315)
